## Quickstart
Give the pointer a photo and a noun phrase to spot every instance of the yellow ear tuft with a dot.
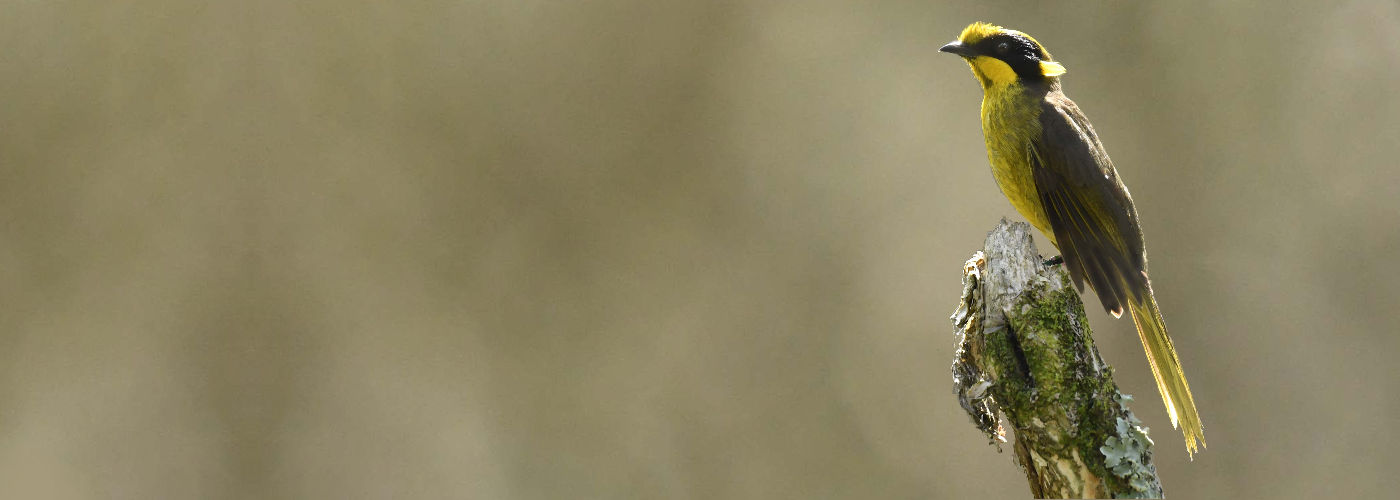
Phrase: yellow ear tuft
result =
(1051, 68)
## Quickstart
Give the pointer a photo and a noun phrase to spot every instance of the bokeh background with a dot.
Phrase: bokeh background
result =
(656, 249)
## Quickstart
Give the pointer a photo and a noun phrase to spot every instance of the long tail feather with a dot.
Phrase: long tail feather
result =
(1166, 368)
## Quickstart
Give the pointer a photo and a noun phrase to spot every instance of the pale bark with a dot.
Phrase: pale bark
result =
(1025, 351)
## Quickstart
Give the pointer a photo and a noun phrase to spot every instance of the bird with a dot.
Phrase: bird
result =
(1049, 162)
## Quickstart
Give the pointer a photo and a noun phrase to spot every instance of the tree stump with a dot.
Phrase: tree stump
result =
(1026, 351)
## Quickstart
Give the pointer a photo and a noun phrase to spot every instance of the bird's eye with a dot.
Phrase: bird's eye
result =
(1003, 47)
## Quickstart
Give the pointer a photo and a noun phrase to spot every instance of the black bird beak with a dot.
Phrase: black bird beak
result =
(957, 48)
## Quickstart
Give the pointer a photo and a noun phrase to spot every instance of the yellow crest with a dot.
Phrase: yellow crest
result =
(975, 32)
(978, 31)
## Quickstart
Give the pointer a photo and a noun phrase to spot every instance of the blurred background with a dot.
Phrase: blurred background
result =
(656, 249)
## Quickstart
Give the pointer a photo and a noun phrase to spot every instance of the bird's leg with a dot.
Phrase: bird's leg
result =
(1055, 261)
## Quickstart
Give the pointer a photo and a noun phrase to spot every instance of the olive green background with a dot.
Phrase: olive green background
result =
(656, 249)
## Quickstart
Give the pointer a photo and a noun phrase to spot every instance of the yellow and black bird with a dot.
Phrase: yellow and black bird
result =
(1048, 161)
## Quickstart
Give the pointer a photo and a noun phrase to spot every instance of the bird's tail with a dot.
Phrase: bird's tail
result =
(1166, 368)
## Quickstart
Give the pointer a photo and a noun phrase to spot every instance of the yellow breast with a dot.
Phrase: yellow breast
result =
(1010, 119)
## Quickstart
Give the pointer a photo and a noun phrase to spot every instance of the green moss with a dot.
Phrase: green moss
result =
(1048, 348)
(1042, 345)
(1044, 352)
(1012, 390)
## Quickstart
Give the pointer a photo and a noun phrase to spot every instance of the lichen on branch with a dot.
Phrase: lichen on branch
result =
(1025, 351)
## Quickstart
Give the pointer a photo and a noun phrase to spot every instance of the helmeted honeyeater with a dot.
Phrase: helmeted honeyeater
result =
(1049, 162)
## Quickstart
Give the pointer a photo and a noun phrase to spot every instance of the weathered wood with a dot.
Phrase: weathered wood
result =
(1025, 351)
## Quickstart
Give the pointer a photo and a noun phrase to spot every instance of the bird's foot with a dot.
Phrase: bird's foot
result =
(1055, 261)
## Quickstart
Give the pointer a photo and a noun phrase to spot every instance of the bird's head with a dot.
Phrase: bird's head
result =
(1000, 56)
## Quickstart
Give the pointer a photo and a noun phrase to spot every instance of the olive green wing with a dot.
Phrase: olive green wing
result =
(1088, 207)
(1096, 228)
